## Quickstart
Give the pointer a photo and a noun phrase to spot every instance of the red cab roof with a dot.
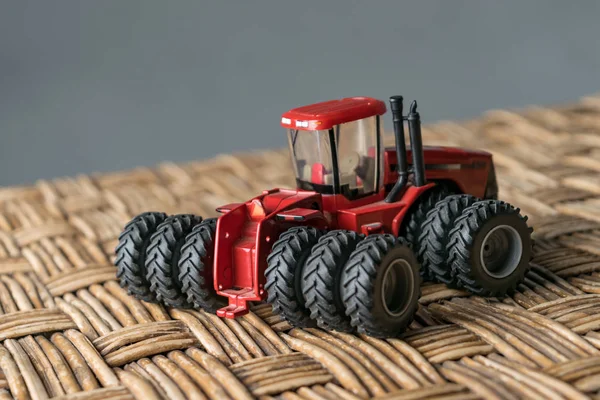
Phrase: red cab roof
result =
(327, 114)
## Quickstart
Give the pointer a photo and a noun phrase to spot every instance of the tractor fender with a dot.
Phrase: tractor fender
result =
(303, 216)
(409, 198)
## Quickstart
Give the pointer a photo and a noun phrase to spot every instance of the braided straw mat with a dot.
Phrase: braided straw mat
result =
(67, 330)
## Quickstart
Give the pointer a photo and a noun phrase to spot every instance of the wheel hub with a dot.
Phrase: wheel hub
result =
(397, 287)
(501, 251)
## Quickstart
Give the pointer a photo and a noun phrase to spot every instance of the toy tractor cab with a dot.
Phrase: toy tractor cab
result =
(347, 248)
(341, 152)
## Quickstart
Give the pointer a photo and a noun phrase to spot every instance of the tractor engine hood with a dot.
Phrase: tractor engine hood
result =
(276, 201)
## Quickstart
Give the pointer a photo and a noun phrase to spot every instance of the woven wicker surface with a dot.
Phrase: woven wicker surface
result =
(68, 330)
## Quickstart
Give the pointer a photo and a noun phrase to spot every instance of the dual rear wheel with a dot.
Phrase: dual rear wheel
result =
(483, 246)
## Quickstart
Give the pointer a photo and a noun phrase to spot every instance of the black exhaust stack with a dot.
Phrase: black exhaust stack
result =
(414, 129)
(416, 144)
(398, 119)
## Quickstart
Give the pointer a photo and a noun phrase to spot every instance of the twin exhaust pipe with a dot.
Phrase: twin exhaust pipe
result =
(416, 143)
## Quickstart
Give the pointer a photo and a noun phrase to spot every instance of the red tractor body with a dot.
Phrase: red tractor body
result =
(346, 249)
(246, 231)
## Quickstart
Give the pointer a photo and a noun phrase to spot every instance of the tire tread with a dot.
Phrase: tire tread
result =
(321, 279)
(195, 275)
(292, 248)
(462, 237)
(131, 254)
(433, 242)
(162, 258)
(358, 283)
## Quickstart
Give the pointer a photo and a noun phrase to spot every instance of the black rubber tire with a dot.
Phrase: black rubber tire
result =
(283, 275)
(417, 215)
(435, 235)
(466, 245)
(363, 286)
(162, 258)
(131, 254)
(321, 279)
(196, 267)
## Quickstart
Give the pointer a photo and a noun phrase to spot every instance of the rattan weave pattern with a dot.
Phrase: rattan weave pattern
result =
(68, 330)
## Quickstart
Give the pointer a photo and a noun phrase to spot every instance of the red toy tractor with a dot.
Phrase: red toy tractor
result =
(347, 248)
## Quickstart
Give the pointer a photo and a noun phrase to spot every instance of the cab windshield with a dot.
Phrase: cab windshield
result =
(311, 155)
(352, 168)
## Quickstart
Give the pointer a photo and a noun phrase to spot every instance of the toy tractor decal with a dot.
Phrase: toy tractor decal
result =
(345, 250)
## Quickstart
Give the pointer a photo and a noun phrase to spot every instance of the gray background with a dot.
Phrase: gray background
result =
(104, 85)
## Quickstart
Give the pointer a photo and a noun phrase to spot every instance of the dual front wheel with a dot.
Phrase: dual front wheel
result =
(343, 281)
